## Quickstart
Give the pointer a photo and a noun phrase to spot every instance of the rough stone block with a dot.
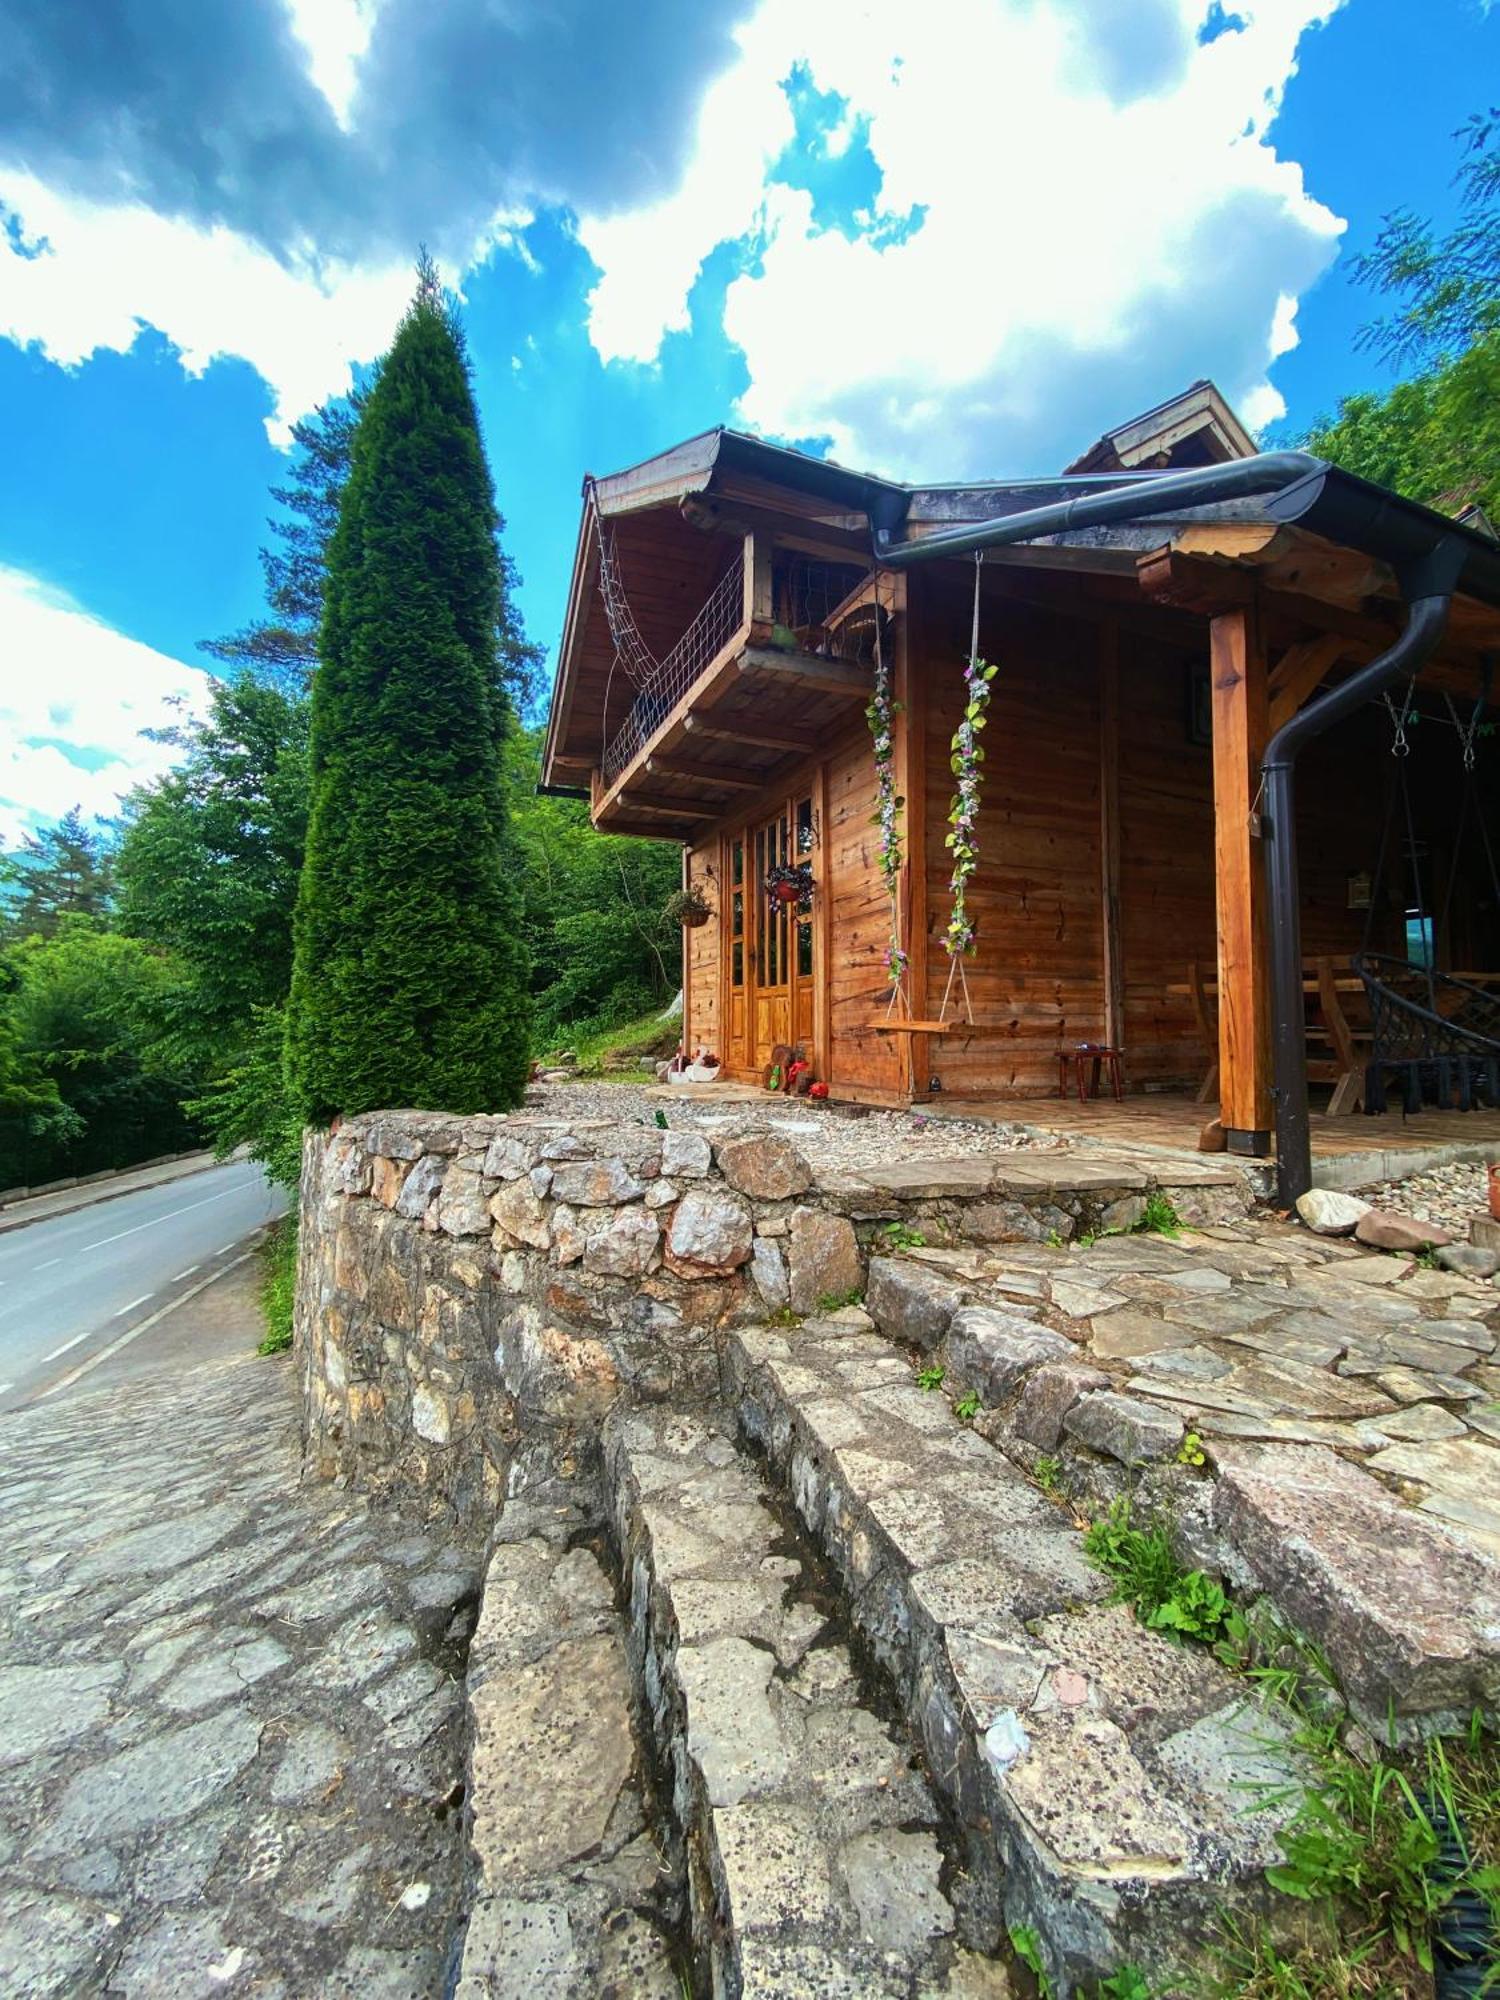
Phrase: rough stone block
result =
(1124, 1427)
(824, 1258)
(711, 1233)
(1329, 1213)
(1048, 1394)
(1409, 1618)
(595, 1183)
(626, 1245)
(768, 1269)
(994, 1352)
(765, 1167)
(1383, 1230)
(1469, 1260)
(461, 1207)
(420, 1185)
(687, 1155)
(521, 1217)
(909, 1302)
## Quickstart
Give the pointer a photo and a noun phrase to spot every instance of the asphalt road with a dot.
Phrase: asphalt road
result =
(74, 1288)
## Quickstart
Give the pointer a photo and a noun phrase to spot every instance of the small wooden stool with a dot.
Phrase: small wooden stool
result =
(1090, 1056)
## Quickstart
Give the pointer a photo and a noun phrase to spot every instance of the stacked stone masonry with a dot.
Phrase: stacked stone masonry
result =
(474, 1293)
(635, 1355)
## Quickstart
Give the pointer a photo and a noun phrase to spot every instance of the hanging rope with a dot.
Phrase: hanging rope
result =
(964, 814)
(881, 716)
(1469, 804)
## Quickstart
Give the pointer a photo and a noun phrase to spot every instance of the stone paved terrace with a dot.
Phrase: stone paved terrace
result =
(230, 1708)
(1346, 1405)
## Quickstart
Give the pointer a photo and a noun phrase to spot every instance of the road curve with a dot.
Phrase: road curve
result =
(71, 1285)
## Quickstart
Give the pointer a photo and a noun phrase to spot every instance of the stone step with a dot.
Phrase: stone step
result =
(809, 1839)
(567, 1895)
(1104, 1362)
(1097, 1770)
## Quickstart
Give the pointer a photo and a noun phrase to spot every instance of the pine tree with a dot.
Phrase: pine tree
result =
(65, 870)
(409, 981)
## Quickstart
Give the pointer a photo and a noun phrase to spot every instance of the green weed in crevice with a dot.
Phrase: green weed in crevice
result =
(1159, 1217)
(278, 1285)
(1188, 1604)
(931, 1377)
(897, 1236)
(832, 1302)
(967, 1408)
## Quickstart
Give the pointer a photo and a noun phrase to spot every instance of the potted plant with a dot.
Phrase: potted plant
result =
(790, 882)
(688, 907)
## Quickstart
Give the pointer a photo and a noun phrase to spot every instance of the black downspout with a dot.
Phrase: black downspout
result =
(1427, 586)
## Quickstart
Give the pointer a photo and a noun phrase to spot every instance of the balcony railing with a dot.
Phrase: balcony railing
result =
(670, 678)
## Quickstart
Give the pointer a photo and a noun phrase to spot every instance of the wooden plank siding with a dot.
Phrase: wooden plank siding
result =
(702, 999)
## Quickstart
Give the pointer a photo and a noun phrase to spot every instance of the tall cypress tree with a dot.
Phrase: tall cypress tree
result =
(409, 981)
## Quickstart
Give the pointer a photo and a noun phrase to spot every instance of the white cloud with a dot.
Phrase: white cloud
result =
(69, 678)
(335, 35)
(1104, 218)
(103, 271)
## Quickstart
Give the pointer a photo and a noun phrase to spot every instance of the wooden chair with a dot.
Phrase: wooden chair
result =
(1337, 1030)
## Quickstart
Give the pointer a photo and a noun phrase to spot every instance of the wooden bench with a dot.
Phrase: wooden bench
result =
(1337, 1029)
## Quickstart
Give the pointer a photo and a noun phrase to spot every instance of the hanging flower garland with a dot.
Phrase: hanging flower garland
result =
(963, 815)
(881, 716)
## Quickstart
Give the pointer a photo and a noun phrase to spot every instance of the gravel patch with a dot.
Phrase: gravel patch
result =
(1452, 1195)
(827, 1135)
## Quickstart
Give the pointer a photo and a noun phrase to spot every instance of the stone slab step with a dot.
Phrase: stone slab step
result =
(566, 1873)
(1398, 1583)
(808, 1835)
(1096, 1769)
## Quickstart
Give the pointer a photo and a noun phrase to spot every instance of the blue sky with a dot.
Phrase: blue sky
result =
(937, 242)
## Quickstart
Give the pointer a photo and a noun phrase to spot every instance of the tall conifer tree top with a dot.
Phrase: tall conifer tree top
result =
(409, 983)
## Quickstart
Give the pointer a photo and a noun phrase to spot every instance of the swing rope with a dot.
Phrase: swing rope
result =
(1469, 804)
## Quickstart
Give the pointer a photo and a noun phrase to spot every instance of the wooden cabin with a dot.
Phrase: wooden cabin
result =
(727, 602)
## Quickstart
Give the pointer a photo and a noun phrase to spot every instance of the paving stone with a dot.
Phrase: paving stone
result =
(224, 1674)
(43, 1707)
(49, 1943)
(155, 1782)
(894, 1881)
(1123, 1334)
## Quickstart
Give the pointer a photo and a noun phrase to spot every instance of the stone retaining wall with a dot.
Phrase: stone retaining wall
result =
(474, 1293)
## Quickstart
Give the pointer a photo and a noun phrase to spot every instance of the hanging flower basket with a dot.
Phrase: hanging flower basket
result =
(790, 882)
(688, 907)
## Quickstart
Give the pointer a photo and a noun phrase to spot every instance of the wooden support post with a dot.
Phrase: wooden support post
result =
(760, 605)
(1241, 711)
(1109, 833)
(910, 770)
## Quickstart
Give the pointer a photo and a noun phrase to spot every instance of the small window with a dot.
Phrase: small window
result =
(805, 948)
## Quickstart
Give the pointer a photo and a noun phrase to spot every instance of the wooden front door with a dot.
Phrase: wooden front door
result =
(774, 928)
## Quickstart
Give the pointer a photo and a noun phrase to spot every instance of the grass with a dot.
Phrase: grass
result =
(1128, 1983)
(931, 1376)
(832, 1302)
(650, 1038)
(967, 1408)
(1187, 1604)
(1048, 1474)
(1159, 1217)
(278, 1285)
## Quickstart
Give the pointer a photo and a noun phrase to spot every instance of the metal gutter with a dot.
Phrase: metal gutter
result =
(1136, 500)
(1427, 585)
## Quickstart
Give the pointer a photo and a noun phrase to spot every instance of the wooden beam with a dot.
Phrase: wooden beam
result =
(708, 774)
(1298, 672)
(758, 735)
(643, 829)
(1194, 583)
(662, 802)
(1241, 726)
(1109, 834)
(835, 677)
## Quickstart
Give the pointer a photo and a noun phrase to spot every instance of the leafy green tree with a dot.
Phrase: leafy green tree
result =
(1435, 438)
(87, 1006)
(592, 905)
(63, 871)
(409, 980)
(1448, 287)
(282, 648)
(209, 860)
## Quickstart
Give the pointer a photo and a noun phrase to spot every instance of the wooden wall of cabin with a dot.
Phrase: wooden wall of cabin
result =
(701, 951)
(859, 927)
(1035, 978)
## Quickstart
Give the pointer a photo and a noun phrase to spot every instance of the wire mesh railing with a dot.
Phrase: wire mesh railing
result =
(662, 683)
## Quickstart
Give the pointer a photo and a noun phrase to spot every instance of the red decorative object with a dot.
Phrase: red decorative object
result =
(818, 1090)
(787, 892)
